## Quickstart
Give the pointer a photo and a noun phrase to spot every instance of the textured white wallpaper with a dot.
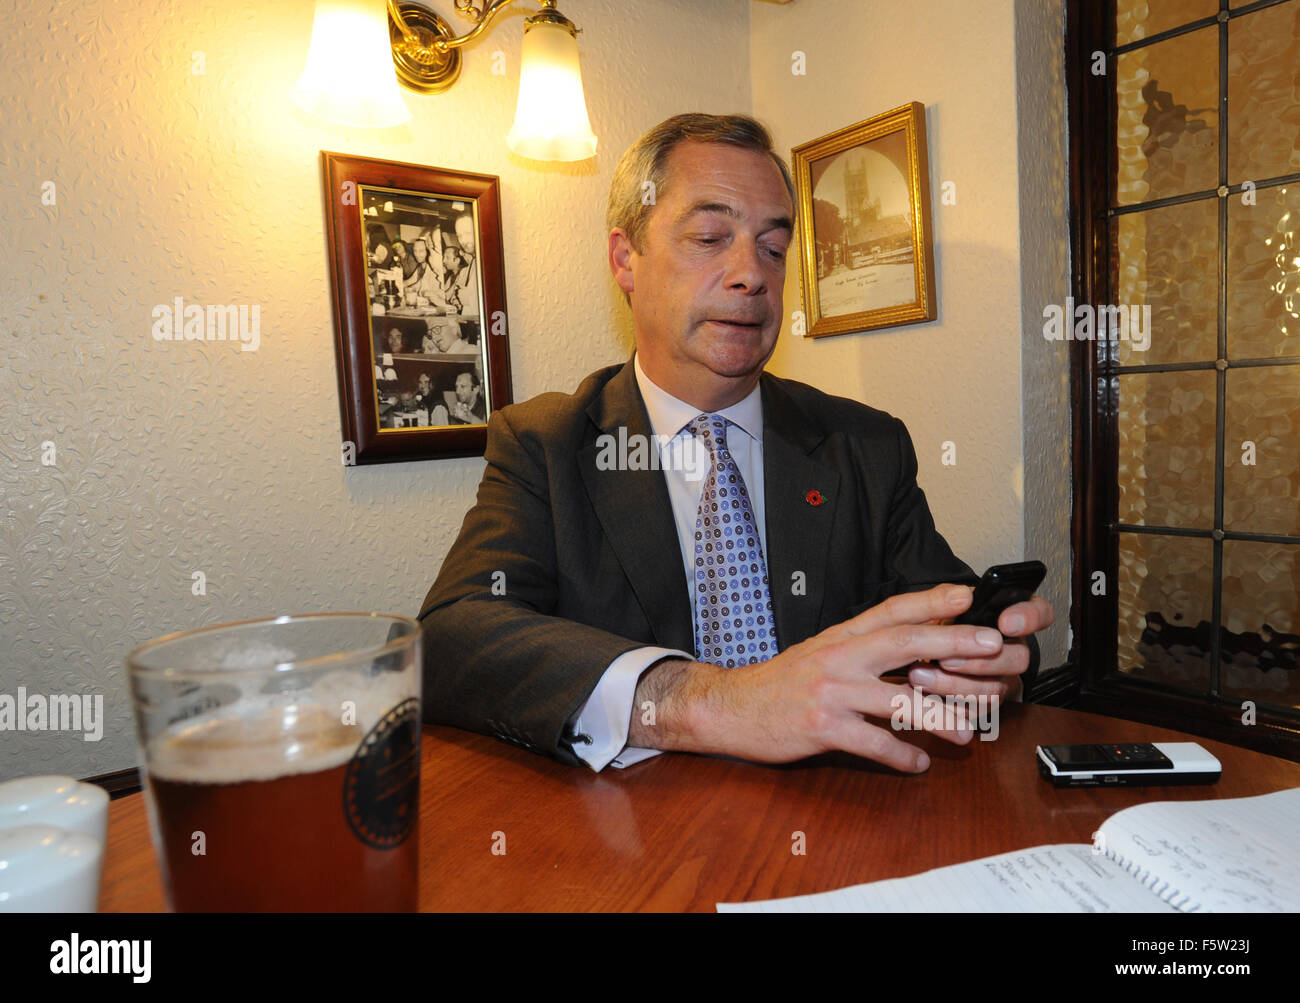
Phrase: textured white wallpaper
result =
(171, 458)
(1044, 279)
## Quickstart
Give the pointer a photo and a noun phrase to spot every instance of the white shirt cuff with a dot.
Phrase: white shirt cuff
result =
(607, 714)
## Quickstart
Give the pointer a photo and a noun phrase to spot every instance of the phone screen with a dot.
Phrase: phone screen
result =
(1077, 757)
(1118, 756)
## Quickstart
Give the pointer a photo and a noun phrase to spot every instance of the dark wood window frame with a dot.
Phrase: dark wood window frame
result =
(1090, 680)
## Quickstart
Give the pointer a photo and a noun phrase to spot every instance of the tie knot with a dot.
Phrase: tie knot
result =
(712, 428)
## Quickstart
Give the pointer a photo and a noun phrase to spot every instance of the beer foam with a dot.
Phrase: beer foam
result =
(369, 697)
(250, 655)
(253, 740)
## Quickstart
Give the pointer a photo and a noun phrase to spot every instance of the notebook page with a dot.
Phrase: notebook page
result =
(1064, 878)
(1226, 855)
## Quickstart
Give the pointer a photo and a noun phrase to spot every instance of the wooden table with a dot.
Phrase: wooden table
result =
(682, 832)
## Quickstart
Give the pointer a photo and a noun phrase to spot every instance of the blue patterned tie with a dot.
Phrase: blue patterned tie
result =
(733, 608)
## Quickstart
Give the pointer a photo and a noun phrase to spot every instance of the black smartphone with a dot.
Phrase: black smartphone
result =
(1003, 585)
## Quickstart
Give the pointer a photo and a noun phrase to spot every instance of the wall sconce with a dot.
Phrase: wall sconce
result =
(359, 51)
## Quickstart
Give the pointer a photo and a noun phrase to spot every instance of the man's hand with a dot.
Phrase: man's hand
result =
(995, 674)
(813, 697)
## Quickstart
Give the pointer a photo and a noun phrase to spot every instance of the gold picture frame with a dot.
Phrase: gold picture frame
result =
(867, 251)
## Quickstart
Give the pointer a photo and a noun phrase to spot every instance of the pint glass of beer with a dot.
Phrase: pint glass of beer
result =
(282, 763)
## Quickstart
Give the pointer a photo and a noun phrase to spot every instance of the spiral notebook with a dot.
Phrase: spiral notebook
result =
(1225, 855)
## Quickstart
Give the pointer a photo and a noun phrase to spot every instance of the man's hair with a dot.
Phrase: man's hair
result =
(646, 160)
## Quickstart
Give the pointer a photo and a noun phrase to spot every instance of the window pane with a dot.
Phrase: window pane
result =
(1261, 459)
(1264, 93)
(1165, 605)
(1168, 260)
(1261, 617)
(1166, 449)
(1167, 99)
(1137, 19)
(1264, 274)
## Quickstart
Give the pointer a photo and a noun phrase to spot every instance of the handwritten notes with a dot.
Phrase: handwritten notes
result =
(1231, 854)
(1065, 878)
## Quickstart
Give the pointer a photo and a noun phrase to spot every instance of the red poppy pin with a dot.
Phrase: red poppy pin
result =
(814, 498)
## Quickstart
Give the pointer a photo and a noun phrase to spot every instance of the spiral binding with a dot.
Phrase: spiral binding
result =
(1166, 892)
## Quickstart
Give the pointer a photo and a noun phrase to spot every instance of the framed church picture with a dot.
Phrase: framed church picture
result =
(866, 247)
(420, 330)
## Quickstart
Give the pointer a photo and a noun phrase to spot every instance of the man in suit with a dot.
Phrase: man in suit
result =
(466, 278)
(564, 620)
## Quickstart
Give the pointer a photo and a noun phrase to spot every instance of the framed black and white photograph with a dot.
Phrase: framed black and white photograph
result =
(867, 256)
(419, 304)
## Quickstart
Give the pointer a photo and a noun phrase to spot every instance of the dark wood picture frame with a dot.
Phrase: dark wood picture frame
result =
(349, 183)
(864, 266)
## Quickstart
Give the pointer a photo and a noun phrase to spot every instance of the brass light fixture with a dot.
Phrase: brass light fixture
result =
(551, 120)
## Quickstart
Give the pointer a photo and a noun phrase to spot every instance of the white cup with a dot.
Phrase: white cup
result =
(59, 801)
(47, 869)
(52, 833)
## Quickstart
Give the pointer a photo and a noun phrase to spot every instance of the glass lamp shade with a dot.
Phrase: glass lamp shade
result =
(349, 77)
(551, 117)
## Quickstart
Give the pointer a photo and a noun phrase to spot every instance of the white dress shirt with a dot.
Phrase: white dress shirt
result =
(607, 714)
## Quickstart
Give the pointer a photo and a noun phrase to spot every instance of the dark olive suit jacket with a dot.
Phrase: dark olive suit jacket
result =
(586, 564)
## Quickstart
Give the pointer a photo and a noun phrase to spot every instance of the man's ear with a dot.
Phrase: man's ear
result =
(621, 258)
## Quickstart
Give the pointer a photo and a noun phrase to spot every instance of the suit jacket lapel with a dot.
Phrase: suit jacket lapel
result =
(637, 516)
(800, 496)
